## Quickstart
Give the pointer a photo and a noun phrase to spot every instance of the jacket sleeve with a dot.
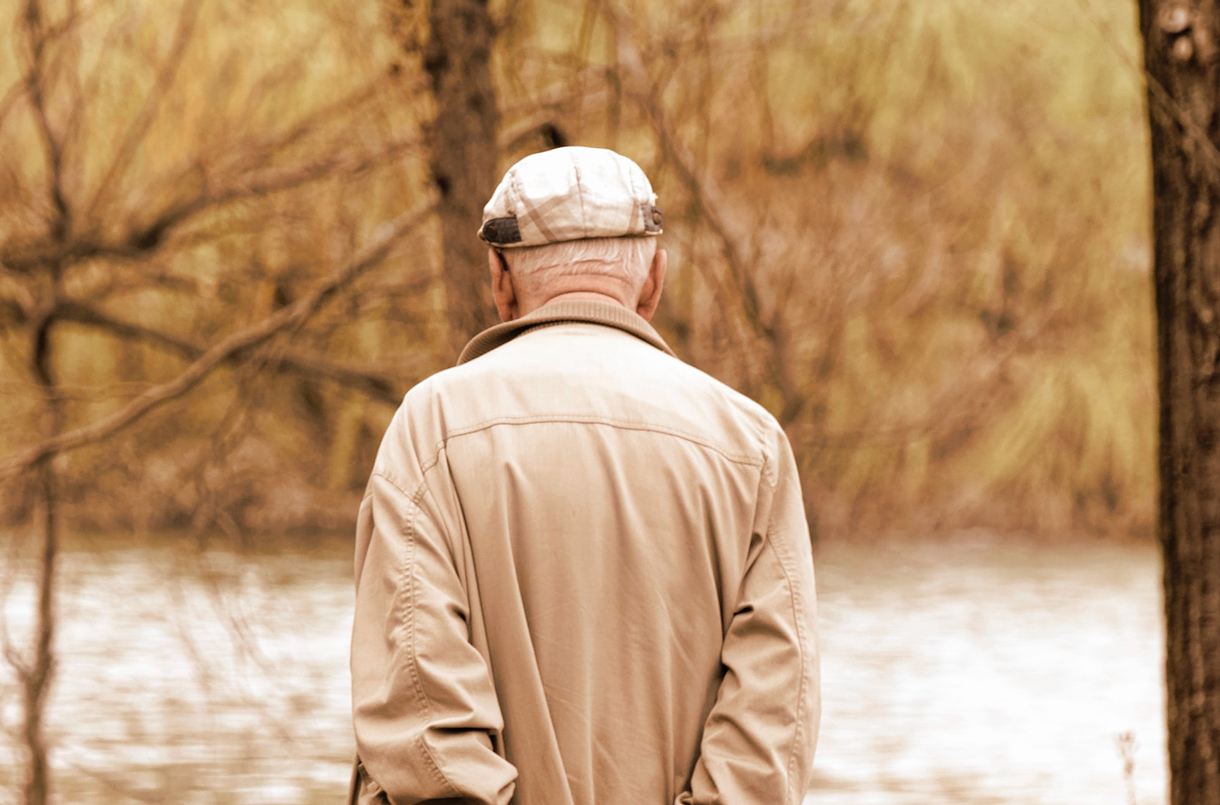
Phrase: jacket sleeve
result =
(424, 707)
(759, 738)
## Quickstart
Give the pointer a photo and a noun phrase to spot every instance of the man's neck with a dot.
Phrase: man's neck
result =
(592, 296)
(571, 296)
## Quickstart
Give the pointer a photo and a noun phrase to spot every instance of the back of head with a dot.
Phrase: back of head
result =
(622, 260)
(574, 220)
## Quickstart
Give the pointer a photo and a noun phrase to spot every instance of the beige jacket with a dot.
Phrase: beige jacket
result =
(583, 577)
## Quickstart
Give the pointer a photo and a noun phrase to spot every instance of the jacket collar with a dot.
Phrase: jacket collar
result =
(564, 311)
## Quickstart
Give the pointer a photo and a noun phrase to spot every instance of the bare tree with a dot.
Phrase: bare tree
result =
(1181, 52)
(462, 154)
(75, 241)
(284, 320)
(36, 670)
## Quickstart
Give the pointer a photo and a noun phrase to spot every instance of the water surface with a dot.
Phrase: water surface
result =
(968, 670)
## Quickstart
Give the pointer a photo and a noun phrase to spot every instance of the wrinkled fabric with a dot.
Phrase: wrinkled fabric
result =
(583, 577)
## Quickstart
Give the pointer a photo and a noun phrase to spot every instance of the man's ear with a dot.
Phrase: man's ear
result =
(650, 294)
(502, 286)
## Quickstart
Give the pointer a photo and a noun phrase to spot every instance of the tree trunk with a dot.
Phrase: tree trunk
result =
(462, 146)
(1180, 55)
(36, 674)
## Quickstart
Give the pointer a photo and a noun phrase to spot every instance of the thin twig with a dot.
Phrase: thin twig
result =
(18, 89)
(188, 14)
(143, 241)
(705, 189)
(286, 318)
(739, 255)
(36, 31)
(377, 383)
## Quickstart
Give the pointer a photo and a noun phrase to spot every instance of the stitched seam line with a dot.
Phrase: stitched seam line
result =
(407, 582)
(798, 621)
(747, 460)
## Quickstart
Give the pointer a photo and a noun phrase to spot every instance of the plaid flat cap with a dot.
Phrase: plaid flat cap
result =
(570, 193)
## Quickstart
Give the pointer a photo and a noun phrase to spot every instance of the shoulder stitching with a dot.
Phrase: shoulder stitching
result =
(736, 458)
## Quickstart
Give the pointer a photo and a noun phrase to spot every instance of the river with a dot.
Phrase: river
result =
(964, 669)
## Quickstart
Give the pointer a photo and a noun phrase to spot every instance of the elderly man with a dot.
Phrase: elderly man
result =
(583, 572)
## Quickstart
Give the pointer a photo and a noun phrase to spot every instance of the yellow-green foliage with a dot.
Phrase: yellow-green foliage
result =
(945, 206)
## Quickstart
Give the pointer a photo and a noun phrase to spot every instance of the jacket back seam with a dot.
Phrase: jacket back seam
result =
(736, 458)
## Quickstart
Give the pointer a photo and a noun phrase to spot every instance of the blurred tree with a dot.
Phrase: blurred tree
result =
(462, 155)
(108, 198)
(872, 239)
(35, 667)
(1182, 58)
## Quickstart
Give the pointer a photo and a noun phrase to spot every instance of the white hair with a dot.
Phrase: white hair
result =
(625, 259)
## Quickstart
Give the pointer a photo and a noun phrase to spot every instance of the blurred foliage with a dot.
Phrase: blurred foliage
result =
(917, 232)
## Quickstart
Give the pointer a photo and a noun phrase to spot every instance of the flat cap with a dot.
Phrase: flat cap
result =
(570, 193)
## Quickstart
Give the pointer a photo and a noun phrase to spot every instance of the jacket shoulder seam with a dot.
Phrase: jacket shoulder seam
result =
(736, 458)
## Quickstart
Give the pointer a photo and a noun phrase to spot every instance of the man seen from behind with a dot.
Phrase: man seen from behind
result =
(583, 571)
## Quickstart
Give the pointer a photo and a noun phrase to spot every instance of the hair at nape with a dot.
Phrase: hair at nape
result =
(625, 259)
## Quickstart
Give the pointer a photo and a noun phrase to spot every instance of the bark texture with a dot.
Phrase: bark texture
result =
(462, 147)
(1181, 59)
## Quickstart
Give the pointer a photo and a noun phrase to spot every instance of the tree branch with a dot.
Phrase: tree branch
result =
(285, 319)
(376, 383)
(704, 188)
(187, 15)
(38, 36)
(18, 89)
(739, 256)
(265, 182)
(142, 241)
(260, 150)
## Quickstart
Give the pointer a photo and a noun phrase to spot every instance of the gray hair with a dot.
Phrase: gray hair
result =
(625, 259)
